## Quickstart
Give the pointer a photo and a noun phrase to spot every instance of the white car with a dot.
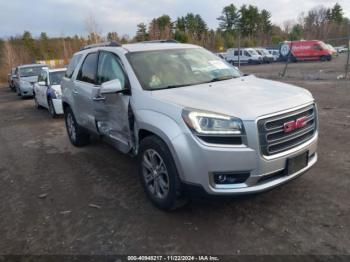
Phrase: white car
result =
(47, 91)
(275, 53)
(246, 56)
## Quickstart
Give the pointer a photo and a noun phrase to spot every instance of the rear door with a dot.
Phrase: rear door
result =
(111, 112)
(84, 91)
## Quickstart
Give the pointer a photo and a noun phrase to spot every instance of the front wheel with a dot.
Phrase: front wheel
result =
(159, 175)
(77, 135)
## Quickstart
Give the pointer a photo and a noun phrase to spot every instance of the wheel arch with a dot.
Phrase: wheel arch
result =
(160, 125)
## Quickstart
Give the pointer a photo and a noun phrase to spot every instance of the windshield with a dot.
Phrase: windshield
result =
(264, 52)
(163, 69)
(30, 71)
(252, 52)
(56, 77)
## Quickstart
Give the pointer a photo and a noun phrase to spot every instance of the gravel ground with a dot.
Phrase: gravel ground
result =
(57, 199)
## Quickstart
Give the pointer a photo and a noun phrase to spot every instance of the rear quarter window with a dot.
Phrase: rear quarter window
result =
(88, 69)
(72, 65)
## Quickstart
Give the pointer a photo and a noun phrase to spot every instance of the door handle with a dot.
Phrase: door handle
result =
(75, 92)
(99, 98)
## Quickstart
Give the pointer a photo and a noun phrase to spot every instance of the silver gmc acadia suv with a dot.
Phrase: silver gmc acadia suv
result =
(194, 121)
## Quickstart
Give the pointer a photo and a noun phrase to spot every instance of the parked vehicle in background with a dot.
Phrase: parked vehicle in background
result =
(26, 76)
(267, 57)
(275, 53)
(47, 91)
(332, 49)
(10, 77)
(193, 121)
(305, 50)
(247, 56)
(222, 55)
(341, 49)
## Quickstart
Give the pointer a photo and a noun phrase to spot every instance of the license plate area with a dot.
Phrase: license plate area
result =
(296, 163)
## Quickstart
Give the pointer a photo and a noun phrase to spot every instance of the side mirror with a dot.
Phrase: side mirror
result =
(111, 87)
(14, 76)
(42, 83)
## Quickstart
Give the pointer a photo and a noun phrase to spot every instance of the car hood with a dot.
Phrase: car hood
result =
(244, 97)
(31, 79)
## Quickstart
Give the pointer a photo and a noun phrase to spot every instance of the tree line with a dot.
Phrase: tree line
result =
(247, 24)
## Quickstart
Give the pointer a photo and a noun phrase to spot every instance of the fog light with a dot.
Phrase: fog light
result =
(221, 179)
(230, 178)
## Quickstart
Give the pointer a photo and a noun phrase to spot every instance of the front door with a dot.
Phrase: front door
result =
(111, 110)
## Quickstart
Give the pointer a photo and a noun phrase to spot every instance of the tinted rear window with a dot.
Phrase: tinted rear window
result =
(72, 65)
(87, 72)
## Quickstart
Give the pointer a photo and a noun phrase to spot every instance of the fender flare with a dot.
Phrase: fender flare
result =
(160, 125)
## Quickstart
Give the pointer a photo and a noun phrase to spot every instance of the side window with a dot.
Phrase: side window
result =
(236, 53)
(317, 47)
(72, 65)
(42, 77)
(87, 72)
(109, 69)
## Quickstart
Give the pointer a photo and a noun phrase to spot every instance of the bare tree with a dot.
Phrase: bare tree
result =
(288, 25)
(93, 29)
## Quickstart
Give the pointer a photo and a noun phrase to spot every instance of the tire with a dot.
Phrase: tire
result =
(77, 135)
(159, 175)
(329, 58)
(323, 58)
(51, 108)
(18, 92)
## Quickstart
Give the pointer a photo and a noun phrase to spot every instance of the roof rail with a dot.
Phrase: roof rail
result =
(161, 41)
(104, 44)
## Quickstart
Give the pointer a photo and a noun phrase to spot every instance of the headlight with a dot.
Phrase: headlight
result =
(208, 123)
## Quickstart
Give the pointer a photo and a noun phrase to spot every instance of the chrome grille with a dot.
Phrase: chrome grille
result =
(273, 138)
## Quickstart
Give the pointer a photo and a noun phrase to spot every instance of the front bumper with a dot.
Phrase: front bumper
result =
(57, 103)
(26, 92)
(197, 162)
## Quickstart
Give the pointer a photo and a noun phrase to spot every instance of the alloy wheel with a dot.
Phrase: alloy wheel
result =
(71, 127)
(155, 174)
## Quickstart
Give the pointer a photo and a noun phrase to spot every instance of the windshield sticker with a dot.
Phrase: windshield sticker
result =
(219, 64)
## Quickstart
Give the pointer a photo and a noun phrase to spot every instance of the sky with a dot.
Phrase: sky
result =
(68, 17)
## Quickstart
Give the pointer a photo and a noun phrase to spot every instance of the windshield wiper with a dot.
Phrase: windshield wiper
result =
(216, 79)
(169, 87)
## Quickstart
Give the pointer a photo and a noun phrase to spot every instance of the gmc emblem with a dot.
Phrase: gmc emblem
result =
(295, 124)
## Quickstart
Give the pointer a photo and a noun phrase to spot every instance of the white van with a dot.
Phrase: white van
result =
(247, 56)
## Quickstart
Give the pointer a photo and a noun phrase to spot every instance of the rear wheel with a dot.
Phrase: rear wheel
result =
(159, 175)
(77, 135)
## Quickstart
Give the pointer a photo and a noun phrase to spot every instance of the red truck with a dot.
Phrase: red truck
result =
(305, 50)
